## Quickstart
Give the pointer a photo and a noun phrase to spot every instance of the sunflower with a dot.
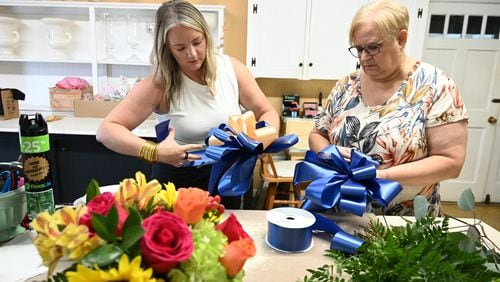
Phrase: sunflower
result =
(127, 271)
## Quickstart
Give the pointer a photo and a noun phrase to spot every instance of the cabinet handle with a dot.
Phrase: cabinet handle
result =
(301, 64)
(310, 64)
(495, 100)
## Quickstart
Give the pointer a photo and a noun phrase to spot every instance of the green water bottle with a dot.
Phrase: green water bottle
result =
(35, 147)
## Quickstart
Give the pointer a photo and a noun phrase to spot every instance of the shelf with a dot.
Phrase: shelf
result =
(97, 30)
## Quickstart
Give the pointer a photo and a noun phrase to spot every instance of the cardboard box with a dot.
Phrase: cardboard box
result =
(62, 99)
(10, 106)
(93, 108)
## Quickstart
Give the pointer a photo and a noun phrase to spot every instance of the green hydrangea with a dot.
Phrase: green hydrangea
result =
(204, 264)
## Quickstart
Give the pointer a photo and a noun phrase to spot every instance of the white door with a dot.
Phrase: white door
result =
(463, 39)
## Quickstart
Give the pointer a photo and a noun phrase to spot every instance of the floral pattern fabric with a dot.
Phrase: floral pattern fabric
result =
(394, 133)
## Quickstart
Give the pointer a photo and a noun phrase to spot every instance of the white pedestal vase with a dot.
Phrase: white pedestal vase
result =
(9, 36)
(58, 36)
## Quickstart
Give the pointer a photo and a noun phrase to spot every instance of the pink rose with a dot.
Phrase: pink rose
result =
(232, 228)
(167, 241)
(101, 204)
(190, 204)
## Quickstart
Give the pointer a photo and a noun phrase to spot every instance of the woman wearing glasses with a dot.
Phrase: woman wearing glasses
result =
(406, 114)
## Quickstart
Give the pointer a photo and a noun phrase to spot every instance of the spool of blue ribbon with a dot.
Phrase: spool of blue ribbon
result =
(289, 230)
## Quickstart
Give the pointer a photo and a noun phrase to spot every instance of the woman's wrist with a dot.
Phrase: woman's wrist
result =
(149, 152)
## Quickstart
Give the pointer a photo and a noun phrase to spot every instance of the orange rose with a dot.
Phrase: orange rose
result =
(235, 255)
(190, 204)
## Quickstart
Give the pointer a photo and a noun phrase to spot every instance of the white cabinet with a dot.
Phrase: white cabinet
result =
(43, 55)
(308, 39)
(302, 39)
(418, 11)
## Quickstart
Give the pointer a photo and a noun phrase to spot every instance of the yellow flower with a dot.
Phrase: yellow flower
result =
(69, 215)
(127, 271)
(48, 250)
(137, 191)
(76, 242)
(166, 197)
(61, 235)
(44, 224)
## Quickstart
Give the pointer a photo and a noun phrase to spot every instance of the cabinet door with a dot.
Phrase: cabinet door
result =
(418, 10)
(276, 34)
(328, 57)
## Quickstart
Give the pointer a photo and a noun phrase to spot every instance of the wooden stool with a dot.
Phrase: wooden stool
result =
(275, 173)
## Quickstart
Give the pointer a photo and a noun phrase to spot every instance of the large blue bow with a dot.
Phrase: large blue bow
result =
(346, 185)
(235, 159)
(232, 161)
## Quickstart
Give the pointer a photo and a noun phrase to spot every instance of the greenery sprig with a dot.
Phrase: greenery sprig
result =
(424, 250)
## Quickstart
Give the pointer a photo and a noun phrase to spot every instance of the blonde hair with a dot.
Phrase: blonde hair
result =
(390, 17)
(167, 74)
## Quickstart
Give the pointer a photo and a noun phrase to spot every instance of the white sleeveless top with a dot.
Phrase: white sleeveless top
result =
(197, 111)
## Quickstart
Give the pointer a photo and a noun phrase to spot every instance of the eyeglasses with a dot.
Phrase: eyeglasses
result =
(371, 49)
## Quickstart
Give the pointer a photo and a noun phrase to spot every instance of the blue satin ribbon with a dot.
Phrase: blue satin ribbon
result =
(341, 240)
(235, 159)
(347, 185)
(233, 162)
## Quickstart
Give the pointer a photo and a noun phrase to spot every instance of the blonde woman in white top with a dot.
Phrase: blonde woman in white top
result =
(190, 85)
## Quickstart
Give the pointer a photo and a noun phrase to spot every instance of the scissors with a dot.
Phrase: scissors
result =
(11, 173)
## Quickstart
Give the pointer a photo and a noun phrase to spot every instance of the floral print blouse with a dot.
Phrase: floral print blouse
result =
(394, 133)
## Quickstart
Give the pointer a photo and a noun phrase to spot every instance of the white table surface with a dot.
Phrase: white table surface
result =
(267, 265)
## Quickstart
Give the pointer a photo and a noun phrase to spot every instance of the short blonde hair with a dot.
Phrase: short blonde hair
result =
(167, 74)
(390, 16)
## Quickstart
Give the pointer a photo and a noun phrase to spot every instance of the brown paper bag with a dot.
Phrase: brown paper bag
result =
(10, 106)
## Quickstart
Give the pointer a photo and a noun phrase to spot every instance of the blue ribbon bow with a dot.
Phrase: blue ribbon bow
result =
(235, 159)
(346, 185)
(232, 162)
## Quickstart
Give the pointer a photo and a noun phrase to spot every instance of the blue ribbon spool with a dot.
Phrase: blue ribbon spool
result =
(289, 230)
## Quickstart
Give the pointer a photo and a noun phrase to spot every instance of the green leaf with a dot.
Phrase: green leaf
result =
(100, 227)
(131, 237)
(466, 200)
(420, 206)
(92, 190)
(133, 219)
(112, 220)
(102, 256)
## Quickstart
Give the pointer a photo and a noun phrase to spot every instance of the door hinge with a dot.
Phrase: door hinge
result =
(253, 62)
(254, 8)
(420, 11)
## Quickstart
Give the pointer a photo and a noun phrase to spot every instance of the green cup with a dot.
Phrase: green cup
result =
(12, 211)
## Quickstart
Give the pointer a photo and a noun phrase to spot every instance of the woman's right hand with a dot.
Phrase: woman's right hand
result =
(346, 152)
(171, 153)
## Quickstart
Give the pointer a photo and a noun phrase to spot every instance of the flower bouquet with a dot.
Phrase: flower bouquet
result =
(144, 232)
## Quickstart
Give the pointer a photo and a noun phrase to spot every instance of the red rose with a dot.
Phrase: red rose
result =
(101, 204)
(166, 242)
(232, 228)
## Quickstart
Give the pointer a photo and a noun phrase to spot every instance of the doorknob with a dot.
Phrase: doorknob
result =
(492, 120)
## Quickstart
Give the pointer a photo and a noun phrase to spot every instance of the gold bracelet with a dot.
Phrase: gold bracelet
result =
(149, 152)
